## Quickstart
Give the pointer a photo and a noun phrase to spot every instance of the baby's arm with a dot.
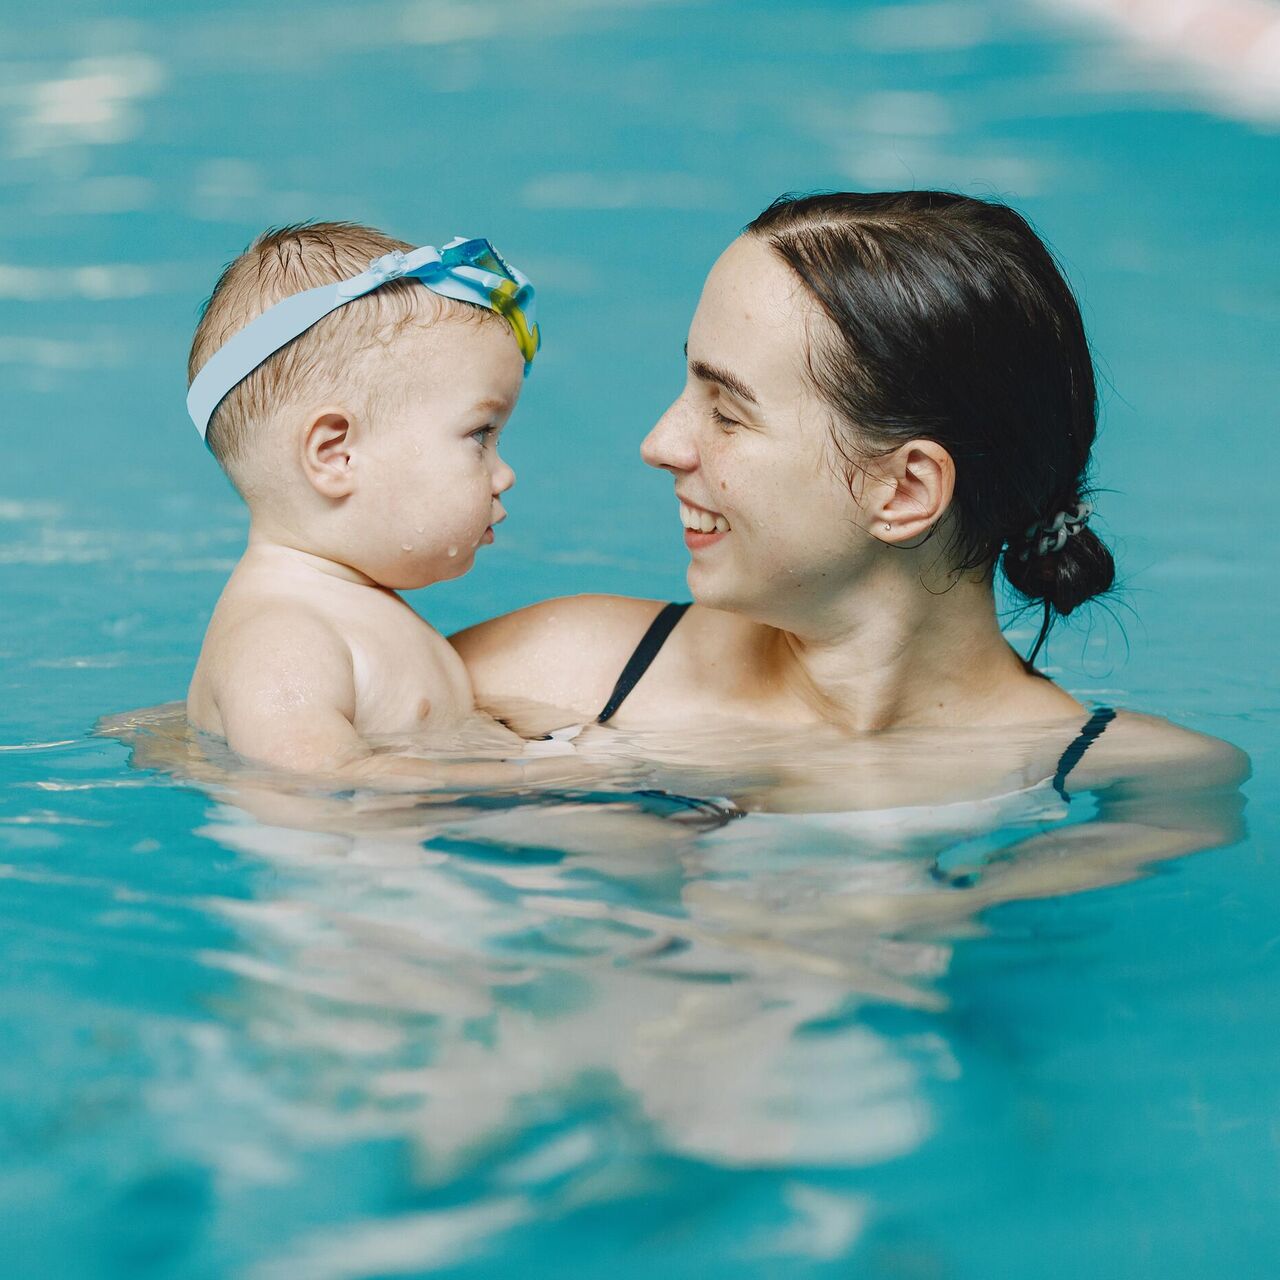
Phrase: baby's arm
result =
(286, 695)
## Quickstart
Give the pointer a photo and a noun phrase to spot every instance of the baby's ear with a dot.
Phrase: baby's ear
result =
(327, 453)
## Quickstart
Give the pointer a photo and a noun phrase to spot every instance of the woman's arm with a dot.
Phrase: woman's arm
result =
(1147, 755)
(1177, 793)
(563, 655)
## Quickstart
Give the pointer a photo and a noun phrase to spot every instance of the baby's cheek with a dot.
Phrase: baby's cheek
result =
(436, 500)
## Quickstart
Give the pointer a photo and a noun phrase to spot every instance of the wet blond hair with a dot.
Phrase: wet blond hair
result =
(325, 358)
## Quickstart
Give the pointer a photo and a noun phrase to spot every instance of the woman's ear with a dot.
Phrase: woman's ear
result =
(919, 483)
(327, 446)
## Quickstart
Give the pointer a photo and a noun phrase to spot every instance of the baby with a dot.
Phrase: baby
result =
(354, 389)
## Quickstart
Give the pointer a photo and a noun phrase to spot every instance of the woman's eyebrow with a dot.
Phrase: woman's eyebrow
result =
(713, 373)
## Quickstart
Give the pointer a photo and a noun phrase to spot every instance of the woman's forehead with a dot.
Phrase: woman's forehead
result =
(753, 319)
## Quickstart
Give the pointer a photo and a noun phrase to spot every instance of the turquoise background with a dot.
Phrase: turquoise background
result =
(1101, 1087)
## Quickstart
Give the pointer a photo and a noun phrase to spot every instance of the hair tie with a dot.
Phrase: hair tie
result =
(1051, 535)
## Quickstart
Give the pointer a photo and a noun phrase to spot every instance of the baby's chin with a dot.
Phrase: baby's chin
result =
(410, 571)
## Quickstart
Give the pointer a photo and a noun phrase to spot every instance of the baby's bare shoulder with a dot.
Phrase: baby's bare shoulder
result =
(257, 650)
(283, 632)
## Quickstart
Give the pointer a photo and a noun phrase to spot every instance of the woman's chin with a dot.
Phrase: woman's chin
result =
(712, 590)
(730, 594)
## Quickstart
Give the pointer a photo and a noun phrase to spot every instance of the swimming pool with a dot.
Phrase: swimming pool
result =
(375, 1042)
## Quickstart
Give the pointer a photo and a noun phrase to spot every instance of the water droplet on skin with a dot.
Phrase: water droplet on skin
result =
(420, 528)
(406, 546)
(453, 551)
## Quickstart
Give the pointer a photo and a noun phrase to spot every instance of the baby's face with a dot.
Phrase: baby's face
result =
(431, 476)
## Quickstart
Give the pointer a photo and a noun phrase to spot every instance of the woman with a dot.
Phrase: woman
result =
(888, 396)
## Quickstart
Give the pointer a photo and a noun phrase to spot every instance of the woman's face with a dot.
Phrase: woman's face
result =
(771, 524)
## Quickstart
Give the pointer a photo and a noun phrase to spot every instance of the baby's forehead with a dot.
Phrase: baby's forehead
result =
(462, 356)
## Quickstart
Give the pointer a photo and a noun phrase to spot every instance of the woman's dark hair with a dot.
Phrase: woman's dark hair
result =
(950, 320)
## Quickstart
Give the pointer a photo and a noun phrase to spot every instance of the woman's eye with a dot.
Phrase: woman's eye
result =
(721, 420)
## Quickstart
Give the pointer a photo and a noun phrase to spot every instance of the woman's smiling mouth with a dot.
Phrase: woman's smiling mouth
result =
(701, 527)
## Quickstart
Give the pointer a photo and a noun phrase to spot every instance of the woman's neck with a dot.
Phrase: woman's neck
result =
(917, 656)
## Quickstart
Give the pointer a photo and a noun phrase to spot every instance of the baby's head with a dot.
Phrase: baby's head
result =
(371, 438)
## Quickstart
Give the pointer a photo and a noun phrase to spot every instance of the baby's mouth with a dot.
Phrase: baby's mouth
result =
(700, 521)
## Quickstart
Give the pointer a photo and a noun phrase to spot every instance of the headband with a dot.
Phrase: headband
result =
(465, 270)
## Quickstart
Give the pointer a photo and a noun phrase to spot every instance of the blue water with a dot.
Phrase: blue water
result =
(230, 1047)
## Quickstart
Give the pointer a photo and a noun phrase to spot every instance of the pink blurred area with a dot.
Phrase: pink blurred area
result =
(1230, 48)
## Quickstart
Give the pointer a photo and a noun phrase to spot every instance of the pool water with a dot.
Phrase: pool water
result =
(256, 1032)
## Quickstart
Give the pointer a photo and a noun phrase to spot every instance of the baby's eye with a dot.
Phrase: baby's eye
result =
(483, 435)
(719, 418)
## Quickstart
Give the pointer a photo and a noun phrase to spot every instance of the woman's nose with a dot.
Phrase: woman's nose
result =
(671, 445)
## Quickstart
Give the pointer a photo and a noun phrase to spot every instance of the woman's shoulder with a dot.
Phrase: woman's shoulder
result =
(565, 652)
(569, 652)
(1136, 746)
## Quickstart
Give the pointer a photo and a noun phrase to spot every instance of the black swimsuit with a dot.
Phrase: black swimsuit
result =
(662, 626)
(645, 652)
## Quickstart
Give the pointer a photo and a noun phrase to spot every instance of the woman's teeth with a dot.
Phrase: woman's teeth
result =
(702, 521)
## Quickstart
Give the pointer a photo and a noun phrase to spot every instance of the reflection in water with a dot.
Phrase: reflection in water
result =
(535, 976)
(545, 992)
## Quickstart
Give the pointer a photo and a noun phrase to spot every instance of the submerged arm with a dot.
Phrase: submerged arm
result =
(1130, 832)
(1183, 798)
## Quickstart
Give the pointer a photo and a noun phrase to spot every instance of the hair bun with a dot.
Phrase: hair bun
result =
(1063, 578)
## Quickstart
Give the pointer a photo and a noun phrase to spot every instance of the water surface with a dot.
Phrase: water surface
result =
(347, 1037)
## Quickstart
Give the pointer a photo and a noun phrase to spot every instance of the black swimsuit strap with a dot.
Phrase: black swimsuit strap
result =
(1087, 736)
(645, 652)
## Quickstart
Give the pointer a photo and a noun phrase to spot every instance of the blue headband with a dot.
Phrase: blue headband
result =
(466, 270)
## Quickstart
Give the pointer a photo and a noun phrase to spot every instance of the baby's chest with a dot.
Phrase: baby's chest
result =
(407, 678)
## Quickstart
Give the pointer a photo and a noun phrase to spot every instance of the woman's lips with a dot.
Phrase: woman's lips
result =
(695, 540)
